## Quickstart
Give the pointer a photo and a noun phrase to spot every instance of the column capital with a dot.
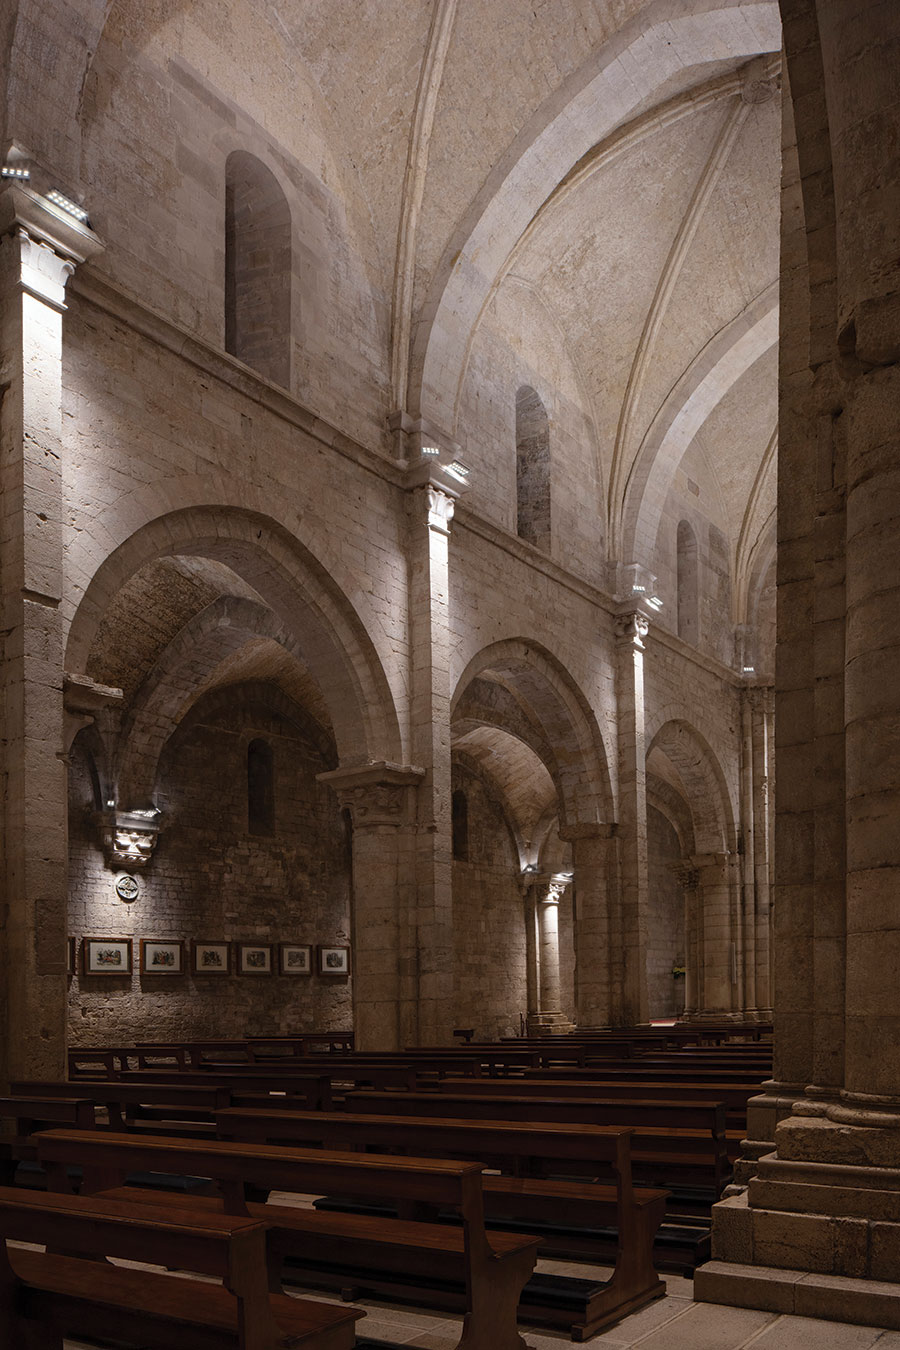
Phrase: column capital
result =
(632, 626)
(432, 494)
(52, 241)
(376, 794)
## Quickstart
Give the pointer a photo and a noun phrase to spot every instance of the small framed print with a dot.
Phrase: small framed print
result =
(294, 959)
(162, 958)
(70, 955)
(254, 958)
(106, 956)
(334, 960)
(210, 958)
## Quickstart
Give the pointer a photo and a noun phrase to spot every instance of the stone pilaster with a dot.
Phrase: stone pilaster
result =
(719, 988)
(432, 491)
(631, 628)
(381, 800)
(40, 246)
(688, 878)
(595, 862)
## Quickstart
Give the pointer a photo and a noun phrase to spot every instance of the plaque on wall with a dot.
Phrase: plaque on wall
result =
(127, 887)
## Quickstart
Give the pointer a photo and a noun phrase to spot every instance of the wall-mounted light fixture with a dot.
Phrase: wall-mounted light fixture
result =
(66, 204)
(458, 470)
(12, 171)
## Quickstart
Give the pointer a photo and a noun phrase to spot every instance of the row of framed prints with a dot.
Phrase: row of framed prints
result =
(113, 956)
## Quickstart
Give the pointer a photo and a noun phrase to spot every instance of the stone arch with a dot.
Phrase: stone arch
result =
(294, 585)
(560, 713)
(714, 371)
(258, 238)
(173, 684)
(594, 101)
(705, 785)
(533, 506)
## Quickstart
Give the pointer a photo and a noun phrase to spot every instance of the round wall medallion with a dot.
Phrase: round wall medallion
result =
(127, 887)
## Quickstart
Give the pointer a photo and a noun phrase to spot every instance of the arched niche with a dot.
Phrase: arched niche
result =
(257, 268)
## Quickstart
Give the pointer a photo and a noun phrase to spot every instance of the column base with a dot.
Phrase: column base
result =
(548, 1024)
(836, 1298)
(817, 1230)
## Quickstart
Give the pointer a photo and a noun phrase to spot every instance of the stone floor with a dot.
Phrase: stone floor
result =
(675, 1322)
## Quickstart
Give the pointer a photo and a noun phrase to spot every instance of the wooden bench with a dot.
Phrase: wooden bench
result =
(47, 1295)
(623, 1220)
(128, 1104)
(672, 1140)
(458, 1268)
(734, 1096)
(31, 1114)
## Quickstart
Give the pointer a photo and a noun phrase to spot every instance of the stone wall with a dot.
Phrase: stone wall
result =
(210, 878)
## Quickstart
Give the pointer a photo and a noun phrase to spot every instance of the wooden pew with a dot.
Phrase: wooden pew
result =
(672, 1141)
(734, 1096)
(46, 1296)
(482, 1277)
(127, 1104)
(31, 1114)
(624, 1219)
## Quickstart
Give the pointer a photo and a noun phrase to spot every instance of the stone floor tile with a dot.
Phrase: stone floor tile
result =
(813, 1333)
(707, 1326)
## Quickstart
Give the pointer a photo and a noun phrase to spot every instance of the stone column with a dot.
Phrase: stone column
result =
(689, 879)
(381, 799)
(818, 1230)
(432, 491)
(631, 629)
(39, 249)
(596, 880)
(532, 974)
(761, 714)
(717, 884)
(548, 925)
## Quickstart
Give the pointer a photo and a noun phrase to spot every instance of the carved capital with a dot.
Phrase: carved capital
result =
(128, 837)
(440, 508)
(632, 627)
(49, 240)
(555, 892)
(376, 794)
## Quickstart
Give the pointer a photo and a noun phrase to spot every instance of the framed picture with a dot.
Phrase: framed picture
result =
(70, 955)
(162, 958)
(210, 958)
(106, 956)
(294, 959)
(334, 960)
(254, 958)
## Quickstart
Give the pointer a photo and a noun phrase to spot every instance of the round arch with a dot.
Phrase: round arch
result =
(290, 581)
(562, 717)
(705, 784)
